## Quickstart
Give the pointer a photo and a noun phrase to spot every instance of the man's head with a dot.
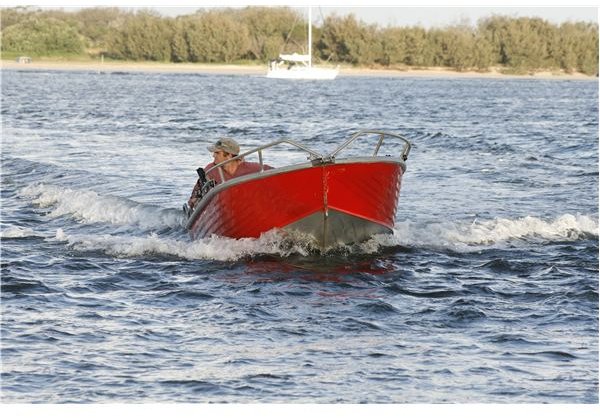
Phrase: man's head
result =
(224, 149)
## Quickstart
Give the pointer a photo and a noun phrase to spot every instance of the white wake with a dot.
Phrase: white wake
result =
(456, 236)
(87, 206)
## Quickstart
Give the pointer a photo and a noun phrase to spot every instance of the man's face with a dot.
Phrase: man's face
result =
(220, 156)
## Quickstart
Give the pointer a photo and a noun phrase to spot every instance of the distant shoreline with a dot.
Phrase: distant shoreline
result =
(250, 69)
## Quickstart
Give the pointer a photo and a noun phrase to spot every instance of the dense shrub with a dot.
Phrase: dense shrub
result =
(262, 33)
(42, 36)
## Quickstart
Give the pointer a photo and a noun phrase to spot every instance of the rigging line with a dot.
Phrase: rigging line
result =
(321, 13)
(289, 34)
(323, 22)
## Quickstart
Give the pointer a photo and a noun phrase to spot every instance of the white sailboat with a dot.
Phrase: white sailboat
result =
(297, 66)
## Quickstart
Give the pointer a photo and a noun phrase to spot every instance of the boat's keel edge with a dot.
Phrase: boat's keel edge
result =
(335, 228)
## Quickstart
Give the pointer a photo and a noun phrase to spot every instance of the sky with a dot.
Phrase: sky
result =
(426, 13)
(441, 16)
(438, 16)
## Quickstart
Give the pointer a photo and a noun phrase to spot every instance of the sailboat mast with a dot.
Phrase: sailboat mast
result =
(309, 37)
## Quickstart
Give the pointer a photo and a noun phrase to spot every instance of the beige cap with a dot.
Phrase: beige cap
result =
(225, 144)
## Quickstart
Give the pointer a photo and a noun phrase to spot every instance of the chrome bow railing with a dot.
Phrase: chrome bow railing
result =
(382, 135)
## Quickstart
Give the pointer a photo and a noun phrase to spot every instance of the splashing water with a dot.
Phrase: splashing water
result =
(89, 207)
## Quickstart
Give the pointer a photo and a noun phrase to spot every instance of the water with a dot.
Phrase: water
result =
(486, 292)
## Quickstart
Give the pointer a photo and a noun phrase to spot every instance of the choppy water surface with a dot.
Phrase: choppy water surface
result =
(486, 292)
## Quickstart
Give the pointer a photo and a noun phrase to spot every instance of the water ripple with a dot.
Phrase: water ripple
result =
(486, 292)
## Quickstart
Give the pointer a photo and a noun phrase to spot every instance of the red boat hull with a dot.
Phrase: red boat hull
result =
(341, 202)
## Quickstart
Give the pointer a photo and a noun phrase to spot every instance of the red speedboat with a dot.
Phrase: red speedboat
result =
(330, 199)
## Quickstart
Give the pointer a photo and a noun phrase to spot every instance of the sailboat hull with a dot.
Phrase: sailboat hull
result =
(303, 73)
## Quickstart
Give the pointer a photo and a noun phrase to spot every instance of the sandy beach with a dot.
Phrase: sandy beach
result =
(261, 69)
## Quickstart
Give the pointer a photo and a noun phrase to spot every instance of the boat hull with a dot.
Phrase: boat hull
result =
(335, 203)
(303, 73)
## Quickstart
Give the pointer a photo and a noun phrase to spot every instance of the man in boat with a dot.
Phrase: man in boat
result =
(225, 149)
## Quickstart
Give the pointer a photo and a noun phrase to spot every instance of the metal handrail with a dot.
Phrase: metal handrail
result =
(313, 155)
(382, 135)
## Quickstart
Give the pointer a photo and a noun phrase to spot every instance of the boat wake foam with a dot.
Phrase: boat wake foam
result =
(213, 248)
(154, 230)
(89, 207)
(11, 232)
(465, 235)
(456, 236)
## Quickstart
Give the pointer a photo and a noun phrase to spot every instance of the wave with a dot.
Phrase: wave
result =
(89, 207)
(213, 248)
(456, 236)
(16, 232)
(566, 227)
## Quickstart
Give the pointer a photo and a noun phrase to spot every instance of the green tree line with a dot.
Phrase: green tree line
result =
(258, 34)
